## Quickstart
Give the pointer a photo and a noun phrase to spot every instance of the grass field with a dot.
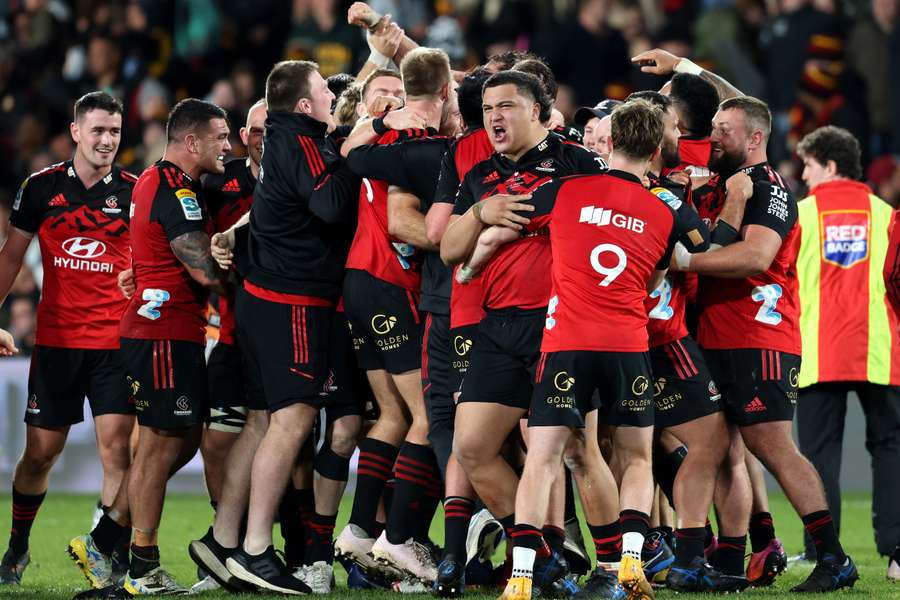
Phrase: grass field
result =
(52, 574)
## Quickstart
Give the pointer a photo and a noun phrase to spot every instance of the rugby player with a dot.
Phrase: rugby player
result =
(380, 296)
(595, 336)
(686, 397)
(79, 210)
(515, 282)
(464, 308)
(749, 327)
(163, 339)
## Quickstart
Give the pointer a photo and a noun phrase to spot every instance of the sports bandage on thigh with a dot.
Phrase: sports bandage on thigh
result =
(230, 419)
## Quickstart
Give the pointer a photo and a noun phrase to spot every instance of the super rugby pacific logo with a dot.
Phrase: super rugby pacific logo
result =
(845, 237)
(84, 247)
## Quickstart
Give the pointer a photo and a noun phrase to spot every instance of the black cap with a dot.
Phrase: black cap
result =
(604, 108)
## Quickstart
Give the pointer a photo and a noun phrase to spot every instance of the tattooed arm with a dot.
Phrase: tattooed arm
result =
(192, 249)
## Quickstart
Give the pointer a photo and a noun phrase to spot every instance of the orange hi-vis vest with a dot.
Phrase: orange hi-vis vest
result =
(848, 327)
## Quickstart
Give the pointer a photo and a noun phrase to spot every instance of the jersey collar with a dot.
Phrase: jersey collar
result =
(296, 123)
(103, 183)
(625, 175)
(543, 148)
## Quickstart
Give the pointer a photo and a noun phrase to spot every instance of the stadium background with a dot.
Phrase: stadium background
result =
(814, 61)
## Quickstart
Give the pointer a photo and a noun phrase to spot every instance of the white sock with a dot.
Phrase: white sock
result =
(523, 562)
(632, 543)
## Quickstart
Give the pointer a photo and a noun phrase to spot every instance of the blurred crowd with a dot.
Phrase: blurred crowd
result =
(815, 62)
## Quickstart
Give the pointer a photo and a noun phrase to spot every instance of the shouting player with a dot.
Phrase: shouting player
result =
(611, 243)
(516, 282)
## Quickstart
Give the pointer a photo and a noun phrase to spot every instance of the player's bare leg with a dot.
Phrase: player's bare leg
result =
(42, 448)
(236, 484)
(773, 445)
(705, 467)
(409, 385)
(214, 447)
(479, 454)
(415, 470)
(543, 467)
(633, 448)
(272, 465)
(342, 440)
(767, 557)
(113, 434)
(707, 438)
(393, 417)
(732, 499)
(159, 452)
(332, 465)
(596, 484)
(599, 495)
(377, 454)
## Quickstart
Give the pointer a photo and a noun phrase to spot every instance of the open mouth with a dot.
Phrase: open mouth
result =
(498, 133)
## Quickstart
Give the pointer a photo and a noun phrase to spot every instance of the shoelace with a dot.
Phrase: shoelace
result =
(423, 554)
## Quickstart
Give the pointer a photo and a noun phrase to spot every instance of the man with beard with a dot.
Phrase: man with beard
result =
(697, 93)
(749, 330)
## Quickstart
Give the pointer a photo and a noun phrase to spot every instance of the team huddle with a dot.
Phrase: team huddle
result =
(499, 312)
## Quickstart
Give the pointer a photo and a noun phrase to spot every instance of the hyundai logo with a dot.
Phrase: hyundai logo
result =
(83, 247)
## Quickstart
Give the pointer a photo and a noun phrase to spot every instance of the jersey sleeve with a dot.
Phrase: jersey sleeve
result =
(448, 179)
(179, 211)
(674, 235)
(464, 196)
(771, 206)
(692, 231)
(26, 210)
(544, 199)
(325, 178)
(379, 161)
(334, 197)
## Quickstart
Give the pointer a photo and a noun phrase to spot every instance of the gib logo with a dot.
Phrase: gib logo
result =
(845, 237)
(83, 247)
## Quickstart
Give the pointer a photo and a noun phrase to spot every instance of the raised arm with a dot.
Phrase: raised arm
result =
(660, 62)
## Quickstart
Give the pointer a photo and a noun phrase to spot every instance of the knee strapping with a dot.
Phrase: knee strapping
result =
(331, 465)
